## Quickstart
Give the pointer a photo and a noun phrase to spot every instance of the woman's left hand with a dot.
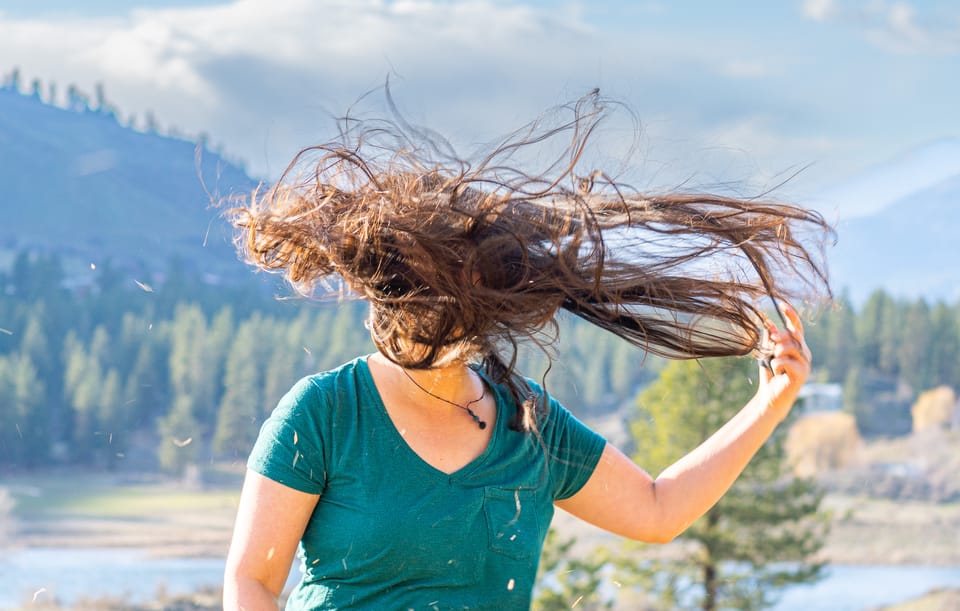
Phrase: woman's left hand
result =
(784, 373)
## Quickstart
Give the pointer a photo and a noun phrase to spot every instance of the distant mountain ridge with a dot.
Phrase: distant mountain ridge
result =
(882, 185)
(80, 183)
(911, 246)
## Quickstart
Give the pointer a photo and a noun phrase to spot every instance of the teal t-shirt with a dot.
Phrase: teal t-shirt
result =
(392, 532)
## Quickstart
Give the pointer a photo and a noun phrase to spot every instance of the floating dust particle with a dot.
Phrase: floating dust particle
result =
(38, 593)
(576, 602)
(143, 285)
(511, 584)
(19, 432)
(6, 331)
(315, 561)
(296, 457)
(516, 500)
(271, 552)
(93, 266)
(307, 350)
(295, 438)
(183, 443)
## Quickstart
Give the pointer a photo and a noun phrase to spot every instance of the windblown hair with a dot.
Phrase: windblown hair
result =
(470, 259)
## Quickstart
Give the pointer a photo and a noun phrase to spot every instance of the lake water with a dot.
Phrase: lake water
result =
(70, 575)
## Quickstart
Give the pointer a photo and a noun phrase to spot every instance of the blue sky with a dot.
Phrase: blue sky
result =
(741, 92)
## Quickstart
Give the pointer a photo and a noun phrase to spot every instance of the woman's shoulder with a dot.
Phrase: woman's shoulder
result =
(322, 389)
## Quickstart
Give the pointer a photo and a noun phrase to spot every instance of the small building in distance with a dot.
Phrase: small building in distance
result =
(821, 398)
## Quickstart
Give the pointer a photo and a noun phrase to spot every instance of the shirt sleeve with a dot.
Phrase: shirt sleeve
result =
(289, 447)
(573, 450)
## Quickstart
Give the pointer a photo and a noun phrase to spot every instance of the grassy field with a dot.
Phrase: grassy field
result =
(166, 516)
(174, 518)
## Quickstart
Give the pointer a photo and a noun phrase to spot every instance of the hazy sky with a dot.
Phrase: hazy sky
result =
(747, 92)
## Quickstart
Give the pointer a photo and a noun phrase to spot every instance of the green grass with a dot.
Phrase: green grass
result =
(96, 495)
(141, 502)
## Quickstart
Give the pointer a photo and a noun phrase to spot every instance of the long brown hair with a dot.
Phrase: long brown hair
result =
(473, 258)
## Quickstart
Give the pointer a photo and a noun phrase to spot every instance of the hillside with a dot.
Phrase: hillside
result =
(80, 183)
(908, 246)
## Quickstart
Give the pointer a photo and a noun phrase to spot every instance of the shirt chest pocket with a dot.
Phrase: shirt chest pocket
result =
(513, 527)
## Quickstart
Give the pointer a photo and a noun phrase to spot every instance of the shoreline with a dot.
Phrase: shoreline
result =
(864, 532)
(171, 519)
(917, 535)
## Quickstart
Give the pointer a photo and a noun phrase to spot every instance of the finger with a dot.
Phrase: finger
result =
(791, 346)
(765, 370)
(792, 319)
(794, 367)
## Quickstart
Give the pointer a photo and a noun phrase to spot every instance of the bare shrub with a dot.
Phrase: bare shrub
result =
(936, 408)
(822, 441)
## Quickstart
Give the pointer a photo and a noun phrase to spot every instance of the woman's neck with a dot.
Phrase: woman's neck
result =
(455, 383)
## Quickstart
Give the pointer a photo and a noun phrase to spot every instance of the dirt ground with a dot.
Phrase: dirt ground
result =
(172, 518)
(168, 517)
(864, 531)
(178, 519)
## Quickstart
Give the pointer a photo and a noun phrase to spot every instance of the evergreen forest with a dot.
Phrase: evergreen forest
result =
(121, 374)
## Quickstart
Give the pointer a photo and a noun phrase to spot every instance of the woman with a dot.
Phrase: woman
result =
(425, 476)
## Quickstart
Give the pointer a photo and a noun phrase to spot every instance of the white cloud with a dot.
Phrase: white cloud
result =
(818, 10)
(261, 78)
(904, 32)
(224, 68)
(895, 26)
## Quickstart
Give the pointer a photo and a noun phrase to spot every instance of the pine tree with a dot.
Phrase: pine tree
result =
(44, 425)
(945, 348)
(567, 580)
(240, 409)
(196, 362)
(915, 347)
(146, 391)
(21, 394)
(179, 437)
(762, 534)
(83, 379)
(113, 425)
(841, 344)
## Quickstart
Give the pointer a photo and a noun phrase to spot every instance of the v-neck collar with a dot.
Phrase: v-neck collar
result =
(372, 393)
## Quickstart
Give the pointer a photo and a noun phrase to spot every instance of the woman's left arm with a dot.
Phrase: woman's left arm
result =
(622, 498)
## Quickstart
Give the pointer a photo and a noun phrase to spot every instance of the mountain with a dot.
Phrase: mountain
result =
(885, 184)
(910, 247)
(76, 181)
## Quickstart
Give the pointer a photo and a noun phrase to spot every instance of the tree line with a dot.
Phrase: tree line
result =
(79, 101)
(122, 372)
(118, 371)
(884, 353)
